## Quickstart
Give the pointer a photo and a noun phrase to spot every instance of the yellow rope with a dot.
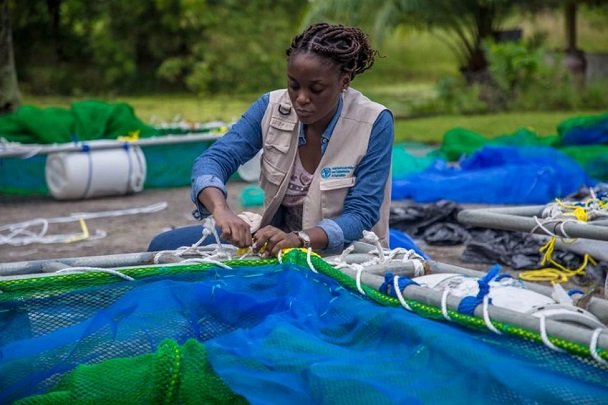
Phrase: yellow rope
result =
(84, 235)
(579, 212)
(557, 273)
(132, 136)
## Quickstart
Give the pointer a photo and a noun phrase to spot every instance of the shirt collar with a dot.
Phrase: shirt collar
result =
(328, 130)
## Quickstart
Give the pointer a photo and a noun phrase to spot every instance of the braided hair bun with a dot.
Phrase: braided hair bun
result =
(348, 47)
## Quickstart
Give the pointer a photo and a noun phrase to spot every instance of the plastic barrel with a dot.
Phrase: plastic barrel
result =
(96, 173)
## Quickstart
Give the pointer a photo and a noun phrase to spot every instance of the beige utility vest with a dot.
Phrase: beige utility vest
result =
(334, 176)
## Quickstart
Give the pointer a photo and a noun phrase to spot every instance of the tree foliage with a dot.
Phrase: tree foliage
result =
(73, 47)
(463, 24)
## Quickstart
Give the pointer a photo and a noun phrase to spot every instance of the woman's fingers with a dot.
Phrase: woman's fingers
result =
(239, 234)
(270, 240)
(234, 230)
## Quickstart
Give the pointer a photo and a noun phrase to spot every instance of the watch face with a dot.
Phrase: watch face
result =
(303, 236)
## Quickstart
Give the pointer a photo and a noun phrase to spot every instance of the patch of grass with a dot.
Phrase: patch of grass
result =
(410, 56)
(160, 108)
(153, 109)
(431, 130)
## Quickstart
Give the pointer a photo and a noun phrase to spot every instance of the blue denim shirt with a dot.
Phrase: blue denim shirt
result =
(362, 204)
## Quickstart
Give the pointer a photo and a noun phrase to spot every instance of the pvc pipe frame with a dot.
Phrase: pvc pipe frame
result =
(36, 267)
(562, 330)
(29, 150)
(521, 219)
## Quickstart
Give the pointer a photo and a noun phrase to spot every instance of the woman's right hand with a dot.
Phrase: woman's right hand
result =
(234, 229)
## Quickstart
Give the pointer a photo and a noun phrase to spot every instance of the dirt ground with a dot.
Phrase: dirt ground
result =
(127, 233)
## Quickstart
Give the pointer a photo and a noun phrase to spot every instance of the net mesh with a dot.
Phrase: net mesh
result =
(264, 332)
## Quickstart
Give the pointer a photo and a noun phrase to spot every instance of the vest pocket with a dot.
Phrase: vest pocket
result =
(279, 137)
(274, 163)
(270, 173)
(333, 193)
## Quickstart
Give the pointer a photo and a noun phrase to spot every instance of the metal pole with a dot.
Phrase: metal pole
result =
(40, 149)
(499, 220)
(46, 266)
(597, 306)
(563, 330)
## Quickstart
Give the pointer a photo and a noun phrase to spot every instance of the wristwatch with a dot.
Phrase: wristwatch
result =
(304, 238)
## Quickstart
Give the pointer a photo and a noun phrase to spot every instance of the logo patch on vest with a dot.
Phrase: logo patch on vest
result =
(336, 172)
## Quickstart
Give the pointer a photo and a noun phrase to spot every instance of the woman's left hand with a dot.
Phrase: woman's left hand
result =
(272, 240)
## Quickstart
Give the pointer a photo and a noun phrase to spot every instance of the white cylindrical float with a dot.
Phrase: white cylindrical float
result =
(250, 171)
(96, 172)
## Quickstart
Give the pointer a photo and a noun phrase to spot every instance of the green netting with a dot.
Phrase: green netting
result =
(593, 158)
(458, 142)
(23, 176)
(84, 120)
(263, 332)
(174, 374)
(583, 130)
(411, 158)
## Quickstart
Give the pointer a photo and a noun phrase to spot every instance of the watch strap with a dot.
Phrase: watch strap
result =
(304, 238)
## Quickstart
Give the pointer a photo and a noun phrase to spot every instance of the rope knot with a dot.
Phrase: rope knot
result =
(388, 287)
(468, 304)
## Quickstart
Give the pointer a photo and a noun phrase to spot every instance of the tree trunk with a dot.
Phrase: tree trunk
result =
(9, 90)
(575, 61)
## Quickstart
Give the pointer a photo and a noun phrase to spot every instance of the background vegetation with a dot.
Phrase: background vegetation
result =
(203, 60)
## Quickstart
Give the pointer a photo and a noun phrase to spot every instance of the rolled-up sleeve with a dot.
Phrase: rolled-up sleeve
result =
(214, 166)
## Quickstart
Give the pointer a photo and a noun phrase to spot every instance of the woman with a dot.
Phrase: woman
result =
(325, 167)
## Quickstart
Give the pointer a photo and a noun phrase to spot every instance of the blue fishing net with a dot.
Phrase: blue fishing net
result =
(496, 175)
(278, 334)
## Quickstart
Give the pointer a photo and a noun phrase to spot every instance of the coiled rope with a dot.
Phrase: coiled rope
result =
(562, 213)
(35, 230)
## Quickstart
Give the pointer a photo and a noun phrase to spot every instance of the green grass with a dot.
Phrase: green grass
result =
(155, 109)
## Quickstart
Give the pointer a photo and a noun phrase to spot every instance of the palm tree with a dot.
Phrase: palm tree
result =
(464, 24)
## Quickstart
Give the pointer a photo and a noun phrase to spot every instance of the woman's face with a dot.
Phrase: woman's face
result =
(314, 85)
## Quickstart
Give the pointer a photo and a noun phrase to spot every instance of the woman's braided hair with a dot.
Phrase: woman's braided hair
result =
(348, 47)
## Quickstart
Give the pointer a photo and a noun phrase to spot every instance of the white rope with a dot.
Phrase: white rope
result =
(444, 304)
(95, 270)
(486, 316)
(20, 233)
(372, 238)
(280, 256)
(593, 347)
(308, 260)
(205, 260)
(418, 268)
(148, 209)
(545, 338)
(27, 151)
(606, 286)
(399, 295)
(345, 252)
(196, 249)
(358, 279)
